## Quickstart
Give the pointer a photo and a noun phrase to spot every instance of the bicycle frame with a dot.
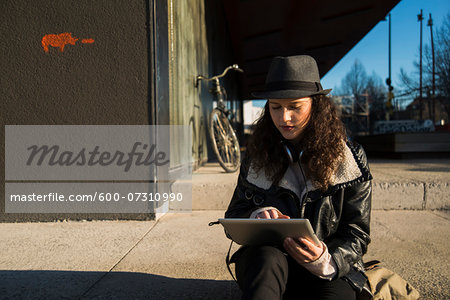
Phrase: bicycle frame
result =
(217, 88)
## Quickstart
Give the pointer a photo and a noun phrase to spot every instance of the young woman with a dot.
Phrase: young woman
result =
(299, 164)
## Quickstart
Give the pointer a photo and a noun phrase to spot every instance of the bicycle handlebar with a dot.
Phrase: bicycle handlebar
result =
(234, 67)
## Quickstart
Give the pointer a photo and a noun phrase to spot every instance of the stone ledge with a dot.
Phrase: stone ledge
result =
(386, 195)
(396, 195)
(437, 195)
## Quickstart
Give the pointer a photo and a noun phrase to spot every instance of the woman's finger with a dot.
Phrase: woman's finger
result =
(292, 252)
(290, 247)
(296, 251)
(266, 214)
(313, 250)
(304, 249)
(273, 214)
(307, 242)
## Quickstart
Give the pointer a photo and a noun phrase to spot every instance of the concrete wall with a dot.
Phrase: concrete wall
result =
(103, 81)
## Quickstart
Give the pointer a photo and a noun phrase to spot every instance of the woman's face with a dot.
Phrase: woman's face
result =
(291, 116)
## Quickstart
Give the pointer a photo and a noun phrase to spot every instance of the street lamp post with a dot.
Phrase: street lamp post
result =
(420, 19)
(430, 23)
(389, 26)
(390, 95)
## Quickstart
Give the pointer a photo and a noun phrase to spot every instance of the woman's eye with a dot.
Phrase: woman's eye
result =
(275, 107)
(295, 107)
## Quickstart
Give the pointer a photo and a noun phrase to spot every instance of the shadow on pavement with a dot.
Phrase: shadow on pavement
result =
(430, 169)
(47, 284)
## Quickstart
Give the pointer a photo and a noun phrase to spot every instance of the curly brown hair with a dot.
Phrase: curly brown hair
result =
(322, 144)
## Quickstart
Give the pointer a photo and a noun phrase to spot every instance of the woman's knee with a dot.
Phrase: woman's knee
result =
(263, 259)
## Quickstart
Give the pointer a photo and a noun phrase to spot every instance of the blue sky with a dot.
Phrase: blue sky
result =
(372, 50)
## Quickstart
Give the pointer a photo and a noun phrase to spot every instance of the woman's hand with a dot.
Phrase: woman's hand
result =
(271, 214)
(302, 250)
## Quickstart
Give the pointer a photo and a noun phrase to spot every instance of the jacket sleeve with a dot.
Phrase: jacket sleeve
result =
(239, 206)
(349, 243)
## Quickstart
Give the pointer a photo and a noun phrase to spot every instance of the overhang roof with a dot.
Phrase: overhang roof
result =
(324, 29)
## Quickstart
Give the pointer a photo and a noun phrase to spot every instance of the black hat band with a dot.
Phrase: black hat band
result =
(294, 85)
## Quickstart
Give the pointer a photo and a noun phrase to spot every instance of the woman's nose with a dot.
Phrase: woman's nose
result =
(286, 115)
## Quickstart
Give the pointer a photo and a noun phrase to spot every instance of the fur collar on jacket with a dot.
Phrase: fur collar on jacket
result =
(293, 179)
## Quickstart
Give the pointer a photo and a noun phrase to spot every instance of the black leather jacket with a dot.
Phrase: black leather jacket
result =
(340, 216)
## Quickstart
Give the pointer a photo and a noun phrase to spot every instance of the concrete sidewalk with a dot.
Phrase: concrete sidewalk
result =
(181, 257)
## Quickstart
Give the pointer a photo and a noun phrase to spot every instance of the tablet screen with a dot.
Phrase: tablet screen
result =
(267, 231)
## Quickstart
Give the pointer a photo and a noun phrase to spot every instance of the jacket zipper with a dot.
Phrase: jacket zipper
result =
(302, 205)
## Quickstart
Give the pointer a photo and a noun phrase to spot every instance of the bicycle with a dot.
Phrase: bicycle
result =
(223, 138)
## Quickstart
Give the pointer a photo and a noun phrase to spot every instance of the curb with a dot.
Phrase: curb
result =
(386, 195)
(410, 195)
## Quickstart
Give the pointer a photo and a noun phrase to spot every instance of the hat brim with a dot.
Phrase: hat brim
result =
(288, 94)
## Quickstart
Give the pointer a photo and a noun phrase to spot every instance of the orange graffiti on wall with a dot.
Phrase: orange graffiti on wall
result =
(61, 40)
(87, 41)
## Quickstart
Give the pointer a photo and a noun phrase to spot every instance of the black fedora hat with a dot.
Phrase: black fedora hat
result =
(292, 77)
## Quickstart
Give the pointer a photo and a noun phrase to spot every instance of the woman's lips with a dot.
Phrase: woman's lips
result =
(287, 128)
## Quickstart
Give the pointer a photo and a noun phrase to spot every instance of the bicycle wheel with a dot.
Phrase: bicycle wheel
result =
(224, 141)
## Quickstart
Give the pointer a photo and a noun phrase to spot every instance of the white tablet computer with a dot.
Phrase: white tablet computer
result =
(267, 231)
